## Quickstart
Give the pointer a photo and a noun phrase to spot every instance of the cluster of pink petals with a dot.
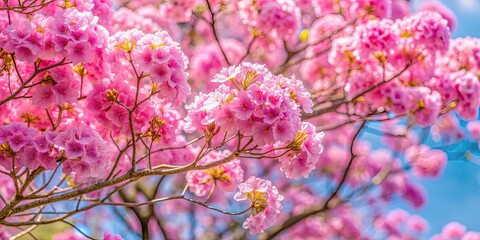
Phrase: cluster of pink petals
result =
(227, 176)
(426, 162)
(277, 18)
(399, 184)
(268, 107)
(423, 30)
(447, 128)
(364, 9)
(380, 48)
(455, 77)
(344, 222)
(156, 56)
(399, 224)
(177, 10)
(474, 129)
(207, 60)
(86, 153)
(125, 19)
(299, 163)
(171, 131)
(456, 231)
(260, 221)
(72, 33)
(57, 86)
(444, 11)
(376, 36)
(26, 147)
(113, 116)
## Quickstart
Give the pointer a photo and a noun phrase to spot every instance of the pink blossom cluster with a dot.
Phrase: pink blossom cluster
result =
(156, 57)
(445, 12)
(315, 71)
(474, 129)
(423, 30)
(395, 42)
(447, 128)
(265, 203)
(227, 176)
(85, 152)
(300, 162)
(399, 224)
(27, 147)
(267, 107)
(343, 223)
(207, 60)
(71, 33)
(353, 8)
(276, 18)
(455, 77)
(125, 19)
(177, 10)
(456, 231)
(400, 184)
(380, 48)
(251, 101)
(105, 104)
(463, 90)
(57, 86)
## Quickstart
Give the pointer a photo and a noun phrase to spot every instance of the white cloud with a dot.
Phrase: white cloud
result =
(469, 5)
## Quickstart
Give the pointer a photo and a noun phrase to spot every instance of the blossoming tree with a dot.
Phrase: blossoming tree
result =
(229, 118)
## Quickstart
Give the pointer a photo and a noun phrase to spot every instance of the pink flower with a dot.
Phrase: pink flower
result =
(468, 90)
(444, 11)
(227, 176)
(111, 236)
(265, 203)
(415, 195)
(425, 161)
(377, 37)
(474, 129)
(417, 224)
(17, 141)
(471, 236)
(306, 148)
(43, 96)
(79, 52)
(399, 223)
(243, 106)
(278, 18)
(454, 230)
(424, 29)
(30, 147)
(226, 74)
(177, 10)
(283, 131)
(156, 56)
(74, 150)
(87, 153)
